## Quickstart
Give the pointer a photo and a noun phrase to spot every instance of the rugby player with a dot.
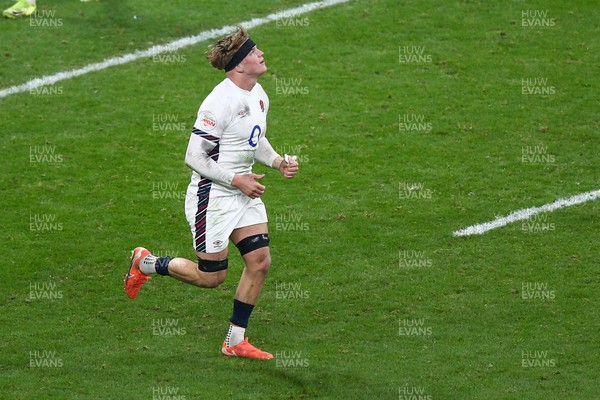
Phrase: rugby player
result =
(223, 200)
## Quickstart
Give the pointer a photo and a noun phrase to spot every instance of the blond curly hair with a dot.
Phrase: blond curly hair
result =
(220, 53)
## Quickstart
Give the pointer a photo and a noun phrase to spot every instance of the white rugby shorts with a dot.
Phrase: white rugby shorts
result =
(213, 219)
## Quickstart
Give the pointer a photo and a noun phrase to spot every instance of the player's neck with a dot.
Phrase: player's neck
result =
(245, 82)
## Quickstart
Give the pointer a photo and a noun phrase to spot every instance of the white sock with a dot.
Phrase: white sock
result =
(148, 264)
(32, 2)
(235, 335)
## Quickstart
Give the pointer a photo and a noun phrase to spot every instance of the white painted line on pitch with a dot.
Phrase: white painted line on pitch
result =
(169, 47)
(527, 213)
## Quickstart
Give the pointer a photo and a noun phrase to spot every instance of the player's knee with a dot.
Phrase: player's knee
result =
(265, 261)
(213, 272)
(255, 250)
(212, 280)
(261, 263)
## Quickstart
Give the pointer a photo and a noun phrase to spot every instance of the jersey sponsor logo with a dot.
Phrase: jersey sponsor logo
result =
(256, 131)
(207, 120)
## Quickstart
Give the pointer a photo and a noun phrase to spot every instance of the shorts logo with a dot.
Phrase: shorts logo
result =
(218, 243)
(207, 121)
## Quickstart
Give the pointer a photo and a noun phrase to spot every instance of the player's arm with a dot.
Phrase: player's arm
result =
(198, 158)
(265, 154)
(210, 124)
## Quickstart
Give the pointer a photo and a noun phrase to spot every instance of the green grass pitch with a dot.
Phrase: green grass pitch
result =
(411, 119)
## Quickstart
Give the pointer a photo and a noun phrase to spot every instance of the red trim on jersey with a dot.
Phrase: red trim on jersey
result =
(203, 194)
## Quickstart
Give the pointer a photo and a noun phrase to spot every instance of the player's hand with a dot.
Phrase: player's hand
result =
(249, 185)
(289, 167)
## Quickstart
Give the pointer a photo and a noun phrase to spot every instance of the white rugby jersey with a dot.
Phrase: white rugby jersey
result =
(228, 135)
